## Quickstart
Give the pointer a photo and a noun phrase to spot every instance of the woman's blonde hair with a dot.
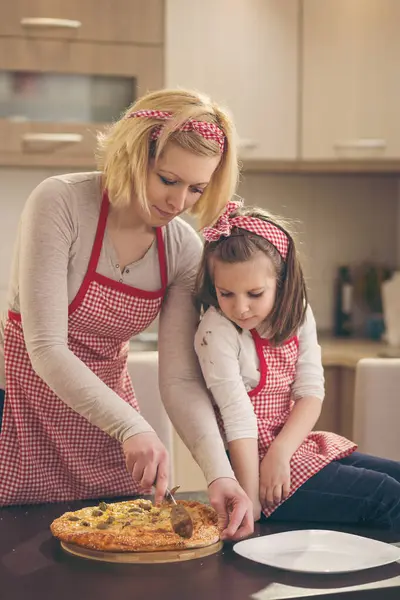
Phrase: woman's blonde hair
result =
(290, 305)
(124, 151)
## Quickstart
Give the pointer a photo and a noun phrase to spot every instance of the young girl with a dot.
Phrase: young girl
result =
(258, 350)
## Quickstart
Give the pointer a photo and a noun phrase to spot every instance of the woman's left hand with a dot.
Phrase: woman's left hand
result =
(234, 508)
(274, 477)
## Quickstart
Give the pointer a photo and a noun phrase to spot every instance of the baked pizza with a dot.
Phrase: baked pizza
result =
(135, 526)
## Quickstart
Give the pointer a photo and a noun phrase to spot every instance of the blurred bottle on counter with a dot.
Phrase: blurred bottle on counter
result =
(344, 291)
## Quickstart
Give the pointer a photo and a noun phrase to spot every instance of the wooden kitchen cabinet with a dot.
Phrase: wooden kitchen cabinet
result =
(337, 413)
(59, 87)
(55, 96)
(244, 54)
(350, 79)
(57, 56)
(329, 419)
(120, 21)
(347, 389)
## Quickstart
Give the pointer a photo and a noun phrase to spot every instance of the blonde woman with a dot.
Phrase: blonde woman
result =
(98, 256)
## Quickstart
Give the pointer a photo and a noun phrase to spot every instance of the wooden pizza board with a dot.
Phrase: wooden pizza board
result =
(142, 557)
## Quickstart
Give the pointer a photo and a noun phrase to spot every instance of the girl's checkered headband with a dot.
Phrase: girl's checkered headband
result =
(223, 227)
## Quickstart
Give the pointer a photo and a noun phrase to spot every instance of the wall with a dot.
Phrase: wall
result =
(15, 186)
(398, 225)
(343, 219)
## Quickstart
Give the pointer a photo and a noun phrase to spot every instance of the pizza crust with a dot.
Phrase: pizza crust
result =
(135, 526)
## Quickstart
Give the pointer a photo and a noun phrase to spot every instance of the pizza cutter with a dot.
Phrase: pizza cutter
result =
(181, 520)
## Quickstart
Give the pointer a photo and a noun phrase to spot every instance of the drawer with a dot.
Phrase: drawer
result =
(58, 56)
(48, 144)
(121, 21)
(54, 95)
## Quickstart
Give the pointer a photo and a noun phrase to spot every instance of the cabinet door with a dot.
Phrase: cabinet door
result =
(243, 53)
(347, 388)
(329, 419)
(351, 79)
(131, 21)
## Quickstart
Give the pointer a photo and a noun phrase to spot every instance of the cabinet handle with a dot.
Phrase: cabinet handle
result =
(49, 22)
(246, 144)
(62, 138)
(362, 144)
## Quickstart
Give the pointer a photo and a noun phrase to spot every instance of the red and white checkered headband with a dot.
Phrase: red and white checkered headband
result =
(209, 131)
(265, 229)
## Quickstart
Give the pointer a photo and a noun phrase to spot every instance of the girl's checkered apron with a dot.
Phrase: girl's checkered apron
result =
(272, 401)
(48, 452)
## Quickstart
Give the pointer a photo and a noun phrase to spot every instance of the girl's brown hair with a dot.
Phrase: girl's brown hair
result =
(290, 305)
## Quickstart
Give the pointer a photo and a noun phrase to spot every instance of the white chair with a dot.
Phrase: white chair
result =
(143, 369)
(377, 407)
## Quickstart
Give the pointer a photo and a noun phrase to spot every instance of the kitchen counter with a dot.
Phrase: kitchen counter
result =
(342, 352)
(34, 567)
(336, 352)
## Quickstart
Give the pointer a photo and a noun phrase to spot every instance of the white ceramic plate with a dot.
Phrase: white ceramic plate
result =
(318, 551)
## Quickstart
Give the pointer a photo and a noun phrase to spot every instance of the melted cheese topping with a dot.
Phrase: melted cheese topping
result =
(119, 515)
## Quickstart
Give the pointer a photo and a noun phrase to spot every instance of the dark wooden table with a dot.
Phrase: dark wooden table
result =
(34, 567)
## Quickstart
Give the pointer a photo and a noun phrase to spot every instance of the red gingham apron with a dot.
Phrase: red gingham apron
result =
(48, 452)
(273, 402)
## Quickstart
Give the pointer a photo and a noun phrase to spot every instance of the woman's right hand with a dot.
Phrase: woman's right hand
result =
(147, 461)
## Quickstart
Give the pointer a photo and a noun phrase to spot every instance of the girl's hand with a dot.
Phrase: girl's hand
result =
(274, 477)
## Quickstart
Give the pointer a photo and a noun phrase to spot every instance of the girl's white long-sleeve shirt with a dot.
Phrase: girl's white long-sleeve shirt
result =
(230, 365)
